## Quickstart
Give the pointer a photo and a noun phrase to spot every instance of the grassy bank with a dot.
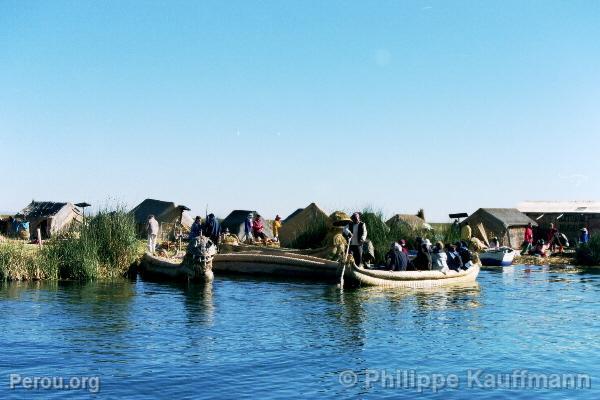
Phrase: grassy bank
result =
(101, 248)
(589, 254)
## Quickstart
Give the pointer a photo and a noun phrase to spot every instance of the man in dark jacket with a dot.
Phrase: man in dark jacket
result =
(212, 229)
(357, 232)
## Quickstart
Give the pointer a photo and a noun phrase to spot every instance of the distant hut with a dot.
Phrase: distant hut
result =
(411, 221)
(167, 213)
(234, 222)
(569, 216)
(302, 221)
(49, 216)
(507, 224)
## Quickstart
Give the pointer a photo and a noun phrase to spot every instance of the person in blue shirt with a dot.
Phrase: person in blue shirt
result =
(584, 236)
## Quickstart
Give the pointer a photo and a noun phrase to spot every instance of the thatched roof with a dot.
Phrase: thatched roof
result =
(163, 211)
(579, 207)
(300, 222)
(507, 217)
(408, 219)
(292, 215)
(45, 209)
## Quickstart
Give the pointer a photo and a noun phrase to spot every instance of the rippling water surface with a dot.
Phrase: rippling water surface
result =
(248, 338)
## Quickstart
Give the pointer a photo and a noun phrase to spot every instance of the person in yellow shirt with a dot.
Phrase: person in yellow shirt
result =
(276, 227)
(466, 232)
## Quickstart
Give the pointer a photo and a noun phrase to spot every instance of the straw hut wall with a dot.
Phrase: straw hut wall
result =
(300, 222)
(508, 224)
(50, 217)
(166, 213)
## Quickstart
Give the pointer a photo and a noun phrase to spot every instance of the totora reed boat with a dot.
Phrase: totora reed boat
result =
(359, 276)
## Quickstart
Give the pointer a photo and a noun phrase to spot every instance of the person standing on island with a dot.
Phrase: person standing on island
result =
(357, 231)
(527, 239)
(584, 236)
(196, 228)
(276, 227)
(248, 229)
(152, 228)
(212, 229)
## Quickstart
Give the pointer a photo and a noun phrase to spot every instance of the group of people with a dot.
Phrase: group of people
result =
(554, 240)
(438, 257)
(254, 228)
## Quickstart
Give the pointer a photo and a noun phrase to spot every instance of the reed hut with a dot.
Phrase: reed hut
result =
(49, 216)
(302, 221)
(569, 216)
(411, 221)
(236, 219)
(507, 224)
(167, 213)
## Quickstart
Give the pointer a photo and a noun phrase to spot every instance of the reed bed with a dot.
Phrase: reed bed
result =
(103, 247)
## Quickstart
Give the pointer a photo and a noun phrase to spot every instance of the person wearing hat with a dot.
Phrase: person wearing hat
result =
(276, 227)
(584, 236)
(357, 232)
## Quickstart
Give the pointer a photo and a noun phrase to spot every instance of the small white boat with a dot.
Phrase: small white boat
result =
(501, 257)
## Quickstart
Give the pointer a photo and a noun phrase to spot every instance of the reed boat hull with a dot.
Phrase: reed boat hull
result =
(172, 269)
(354, 275)
(280, 264)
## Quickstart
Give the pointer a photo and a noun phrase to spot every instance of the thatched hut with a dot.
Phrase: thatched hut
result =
(302, 221)
(507, 224)
(234, 222)
(411, 221)
(167, 213)
(50, 217)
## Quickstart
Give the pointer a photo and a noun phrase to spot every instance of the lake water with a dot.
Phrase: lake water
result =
(249, 338)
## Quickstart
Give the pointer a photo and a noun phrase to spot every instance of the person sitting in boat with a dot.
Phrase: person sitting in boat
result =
(465, 254)
(276, 227)
(403, 245)
(398, 259)
(454, 261)
(439, 259)
(494, 243)
(584, 236)
(196, 228)
(212, 229)
(258, 228)
(357, 232)
(423, 260)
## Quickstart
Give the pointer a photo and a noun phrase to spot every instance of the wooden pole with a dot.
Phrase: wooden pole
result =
(39, 237)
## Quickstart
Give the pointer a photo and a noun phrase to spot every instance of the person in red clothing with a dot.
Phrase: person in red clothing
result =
(527, 239)
(258, 228)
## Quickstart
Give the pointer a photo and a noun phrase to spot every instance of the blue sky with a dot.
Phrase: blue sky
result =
(269, 105)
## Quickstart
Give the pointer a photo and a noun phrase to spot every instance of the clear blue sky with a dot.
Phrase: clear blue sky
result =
(269, 105)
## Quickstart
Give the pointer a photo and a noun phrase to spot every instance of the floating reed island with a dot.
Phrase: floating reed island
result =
(101, 247)
(111, 243)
